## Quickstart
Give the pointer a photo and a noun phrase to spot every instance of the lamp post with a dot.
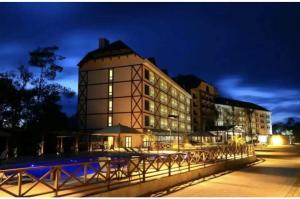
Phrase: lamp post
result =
(177, 117)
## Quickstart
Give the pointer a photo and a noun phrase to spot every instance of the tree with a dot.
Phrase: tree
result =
(32, 103)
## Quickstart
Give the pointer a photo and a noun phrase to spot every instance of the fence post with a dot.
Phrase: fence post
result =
(242, 149)
(85, 173)
(234, 151)
(108, 174)
(204, 158)
(189, 160)
(169, 166)
(56, 179)
(144, 168)
(247, 148)
(20, 183)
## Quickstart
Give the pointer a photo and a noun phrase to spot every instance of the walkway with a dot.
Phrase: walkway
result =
(276, 175)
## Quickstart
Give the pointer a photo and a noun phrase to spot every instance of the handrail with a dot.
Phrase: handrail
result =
(107, 173)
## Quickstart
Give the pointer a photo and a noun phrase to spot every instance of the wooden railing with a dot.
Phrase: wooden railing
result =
(107, 174)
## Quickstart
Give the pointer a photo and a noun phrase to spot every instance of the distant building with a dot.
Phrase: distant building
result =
(119, 86)
(247, 119)
(203, 114)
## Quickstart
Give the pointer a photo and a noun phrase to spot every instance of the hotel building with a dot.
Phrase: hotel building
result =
(119, 86)
(203, 113)
(247, 119)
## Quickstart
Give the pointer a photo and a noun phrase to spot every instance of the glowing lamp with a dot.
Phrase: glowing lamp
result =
(277, 140)
(263, 139)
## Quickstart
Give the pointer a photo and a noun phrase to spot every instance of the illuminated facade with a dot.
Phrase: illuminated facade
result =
(245, 117)
(203, 113)
(116, 85)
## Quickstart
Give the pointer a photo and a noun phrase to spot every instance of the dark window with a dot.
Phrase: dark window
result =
(207, 89)
(147, 74)
(147, 105)
(147, 120)
(147, 89)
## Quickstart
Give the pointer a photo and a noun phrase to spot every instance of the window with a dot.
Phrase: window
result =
(110, 72)
(147, 105)
(109, 120)
(147, 74)
(207, 89)
(163, 97)
(163, 110)
(174, 103)
(128, 141)
(146, 141)
(163, 85)
(181, 97)
(110, 90)
(152, 78)
(151, 92)
(181, 116)
(147, 89)
(147, 120)
(174, 92)
(110, 105)
(152, 106)
(164, 123)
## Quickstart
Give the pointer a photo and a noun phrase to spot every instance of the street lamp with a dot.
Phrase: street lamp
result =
(176, 117)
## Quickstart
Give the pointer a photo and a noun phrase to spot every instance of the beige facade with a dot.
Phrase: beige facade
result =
(203, 113)
(244, 116)
(119, 86)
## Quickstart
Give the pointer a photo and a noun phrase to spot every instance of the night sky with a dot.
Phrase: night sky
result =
(250, 51)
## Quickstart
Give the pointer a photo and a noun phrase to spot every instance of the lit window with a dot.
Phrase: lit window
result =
(110, 105)
(163, 98)
(182, 126)
(151, 92)
(110, 120)
(149, 121)
(110, 90)
(163, 123)
(174, 103)
(174, 92)
(149, 106)
(181, 116)
(152, 78)
(128, 141)
(163, 85)
(181, 97)
(110, 74)
(163, 110)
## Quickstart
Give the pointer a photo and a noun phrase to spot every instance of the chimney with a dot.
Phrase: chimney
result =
(152, 60)
(103, 43)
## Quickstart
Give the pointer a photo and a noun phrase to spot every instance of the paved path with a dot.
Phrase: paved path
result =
(277, 174)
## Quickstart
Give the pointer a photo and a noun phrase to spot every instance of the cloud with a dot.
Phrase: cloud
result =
(283, 102)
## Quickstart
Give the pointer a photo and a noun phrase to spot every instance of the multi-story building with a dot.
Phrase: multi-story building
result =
(247, 119)
(203, 113)
(119, 86)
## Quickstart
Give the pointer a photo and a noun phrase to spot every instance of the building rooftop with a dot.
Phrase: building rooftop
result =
(237, 103)
(113, 49)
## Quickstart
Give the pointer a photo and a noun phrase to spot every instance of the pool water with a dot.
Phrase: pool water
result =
(77, 170)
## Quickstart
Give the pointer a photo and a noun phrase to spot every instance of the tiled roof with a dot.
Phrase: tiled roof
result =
(237, 103)
(114, 49)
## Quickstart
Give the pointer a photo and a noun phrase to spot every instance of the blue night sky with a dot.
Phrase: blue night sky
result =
(250, 51)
